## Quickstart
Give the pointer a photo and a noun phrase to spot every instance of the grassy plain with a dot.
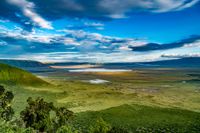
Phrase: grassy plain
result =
(153, 87)
(141, 98)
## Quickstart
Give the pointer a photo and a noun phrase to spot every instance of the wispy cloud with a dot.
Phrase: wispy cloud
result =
(86, 26)
(27, 9)
(79, 45)
(3, 43)
(181, 55)
(79, 40)
(194, 44)
(37, 12)
(172, 5)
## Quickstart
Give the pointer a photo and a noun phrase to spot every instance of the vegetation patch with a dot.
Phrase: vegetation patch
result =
(15, 76)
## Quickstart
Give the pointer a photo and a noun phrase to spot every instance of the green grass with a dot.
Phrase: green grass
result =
(142, 87)
(132, 117)
(142, 98)
(15, 76)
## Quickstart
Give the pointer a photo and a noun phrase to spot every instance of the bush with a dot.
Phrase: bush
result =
(63, 115)
(38, 115)
(100, 127)
(6, 111)
(5, 127)
(117, 130)
(66, 129)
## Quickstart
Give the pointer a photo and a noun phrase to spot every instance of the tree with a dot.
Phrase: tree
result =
(6, 97)
(2, 90)
(63, 115)
(100, 127)
(37, 115)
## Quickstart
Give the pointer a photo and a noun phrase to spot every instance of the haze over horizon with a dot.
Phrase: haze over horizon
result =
(99, 30)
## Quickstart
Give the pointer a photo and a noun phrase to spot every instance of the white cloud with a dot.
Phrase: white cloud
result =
(119, 9)
(106, 42)
(71, 41)
(94, 24)
(93, 47)
(194, 44)
(81, 40)
(181, 55)
(4, 21)
(112, 56)
(125, 48)
(171, 5)
(95, 57)
(167, 5)
(3, 43)
(28, 11)
(190, 4)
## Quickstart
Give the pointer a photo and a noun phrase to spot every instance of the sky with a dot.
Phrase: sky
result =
(99, 30)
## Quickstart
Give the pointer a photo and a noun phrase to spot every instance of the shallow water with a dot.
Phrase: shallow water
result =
(99, 70)
(97, 81)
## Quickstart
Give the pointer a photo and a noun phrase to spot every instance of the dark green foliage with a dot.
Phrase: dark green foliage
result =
(194, 127)
(6, 97)
(63, 116)
(132, 117)
(1, 90)
(100, 127)
(38, 115)
(117, 130)
(156, 130)
(10, 127)
(43, 116)
(66, 129)
(7, 113)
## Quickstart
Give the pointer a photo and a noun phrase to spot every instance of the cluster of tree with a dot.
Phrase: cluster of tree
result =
(42, 116)
(103, 127)
(6, 97)
(39, 115)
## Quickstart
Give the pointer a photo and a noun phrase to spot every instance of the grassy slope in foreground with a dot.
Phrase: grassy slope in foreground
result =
(15, 76)
(137, 116)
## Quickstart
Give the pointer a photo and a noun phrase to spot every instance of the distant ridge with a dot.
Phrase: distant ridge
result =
(183, 62)
(178, 63)
(173, 63)
(35, 66)
(22, 63)
(28, 65)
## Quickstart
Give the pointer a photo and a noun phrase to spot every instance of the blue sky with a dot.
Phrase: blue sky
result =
(99, 30)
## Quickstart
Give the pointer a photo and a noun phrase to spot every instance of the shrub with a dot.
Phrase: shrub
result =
(100, 127)
(6, 111)
(63, 115)
(38, 115)
(66, 129)
(118, 130)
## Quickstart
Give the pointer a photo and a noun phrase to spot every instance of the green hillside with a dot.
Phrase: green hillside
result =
(144, 119)
(15, 76)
